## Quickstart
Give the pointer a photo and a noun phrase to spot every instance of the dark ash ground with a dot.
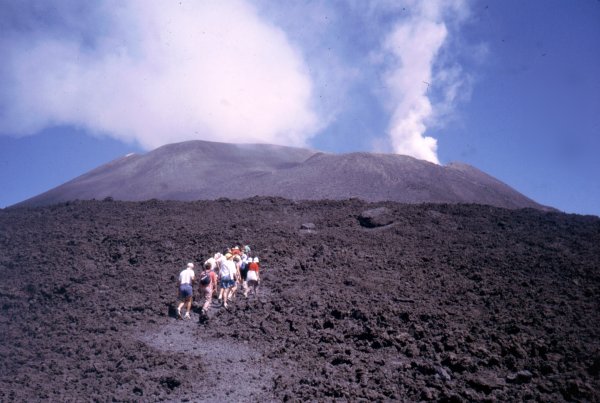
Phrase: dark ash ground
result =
(445, 302)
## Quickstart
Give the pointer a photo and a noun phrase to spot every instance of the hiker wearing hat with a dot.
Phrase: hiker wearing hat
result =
(184, 284)
(253, 277)
(227, 277)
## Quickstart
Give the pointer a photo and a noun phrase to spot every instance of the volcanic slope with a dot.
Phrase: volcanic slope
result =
(371, 301)
(201, 170)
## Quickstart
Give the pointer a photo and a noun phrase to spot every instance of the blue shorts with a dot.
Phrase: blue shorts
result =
(227, 283)
(185, 290)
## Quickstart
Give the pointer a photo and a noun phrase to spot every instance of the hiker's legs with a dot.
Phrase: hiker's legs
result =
(207, 299)
(232, 291)
(225, 297)
(252, 284)
(188, 304)
(185, 293)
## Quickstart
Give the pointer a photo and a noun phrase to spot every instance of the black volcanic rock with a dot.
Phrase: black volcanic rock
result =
(377, 217)
(452, 302)
(200, 170)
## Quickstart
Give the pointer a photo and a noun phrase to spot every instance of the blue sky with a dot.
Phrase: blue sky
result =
(510, 87)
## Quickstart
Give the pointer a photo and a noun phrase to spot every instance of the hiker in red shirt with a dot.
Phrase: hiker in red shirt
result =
(252, 276)
(208, 282)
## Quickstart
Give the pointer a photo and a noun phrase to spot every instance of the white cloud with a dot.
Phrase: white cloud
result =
(164, 72)
(322, 30)
(414, 45)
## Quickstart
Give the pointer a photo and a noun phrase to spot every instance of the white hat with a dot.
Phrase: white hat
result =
(255, 260)
(190, 265)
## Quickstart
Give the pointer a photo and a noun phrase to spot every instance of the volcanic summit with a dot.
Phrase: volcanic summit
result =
(202, 170)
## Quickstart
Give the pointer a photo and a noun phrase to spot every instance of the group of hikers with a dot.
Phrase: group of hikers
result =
(222, 276)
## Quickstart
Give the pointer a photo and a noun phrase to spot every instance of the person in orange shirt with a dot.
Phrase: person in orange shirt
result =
(253, 276)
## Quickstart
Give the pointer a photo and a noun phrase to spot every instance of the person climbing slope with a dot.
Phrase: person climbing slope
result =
(227, 272)
(220, 262)
(208, 281)
(184, 284)
(244, 272)
(253, 277)
(214, 266)
(236, 276)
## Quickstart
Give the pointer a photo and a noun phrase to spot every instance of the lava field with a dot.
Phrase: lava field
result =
(358, 301)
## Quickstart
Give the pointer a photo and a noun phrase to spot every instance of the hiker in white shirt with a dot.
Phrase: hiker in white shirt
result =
(186, 278)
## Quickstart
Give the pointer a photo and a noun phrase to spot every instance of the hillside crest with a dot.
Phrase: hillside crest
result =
(203, 170)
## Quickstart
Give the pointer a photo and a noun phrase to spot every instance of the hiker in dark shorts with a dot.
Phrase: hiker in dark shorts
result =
(244, 272)
(227, 271)
(184, 284)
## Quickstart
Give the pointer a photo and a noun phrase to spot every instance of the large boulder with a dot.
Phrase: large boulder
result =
(377, 217)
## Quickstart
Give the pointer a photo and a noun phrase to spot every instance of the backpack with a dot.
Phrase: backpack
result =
(204, 278)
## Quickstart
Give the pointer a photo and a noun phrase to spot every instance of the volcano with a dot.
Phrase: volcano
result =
(201, 170)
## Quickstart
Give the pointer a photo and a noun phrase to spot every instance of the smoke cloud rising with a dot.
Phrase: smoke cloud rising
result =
(158, 72)
(415, 44)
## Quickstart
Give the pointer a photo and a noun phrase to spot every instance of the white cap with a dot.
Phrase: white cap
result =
(255, 260)
(190, 265)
